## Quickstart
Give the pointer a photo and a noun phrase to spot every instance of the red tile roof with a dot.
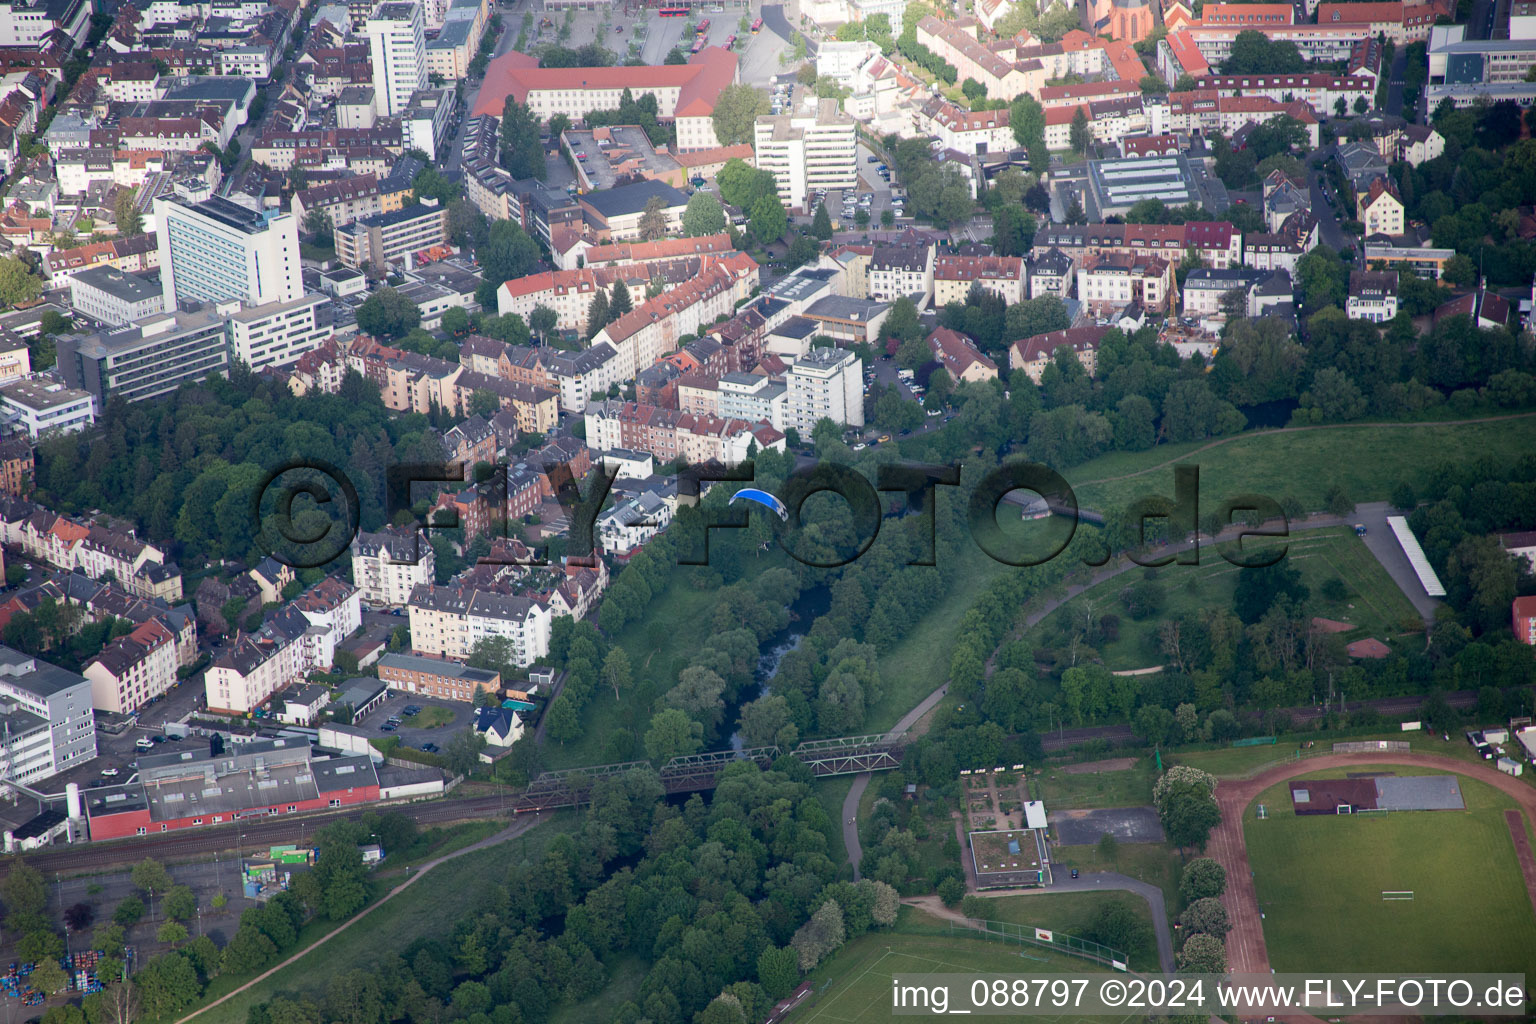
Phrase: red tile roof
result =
(698, 82)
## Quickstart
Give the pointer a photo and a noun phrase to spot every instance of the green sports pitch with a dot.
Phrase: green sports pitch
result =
(1320, 881)
(854, 986)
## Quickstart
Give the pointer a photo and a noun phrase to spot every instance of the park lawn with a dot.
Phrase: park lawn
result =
(1129, 788)
(659, 645)
(1156, 863)
(420, 911)
(1366, 460)
(431, 718)
(1319, 880)
(1374, 604)
(853, 986)
(1073, 913)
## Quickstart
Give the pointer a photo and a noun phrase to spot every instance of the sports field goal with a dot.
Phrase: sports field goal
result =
(1263, 812)
(1399, 894)
(1374, 810)
(1344, 809)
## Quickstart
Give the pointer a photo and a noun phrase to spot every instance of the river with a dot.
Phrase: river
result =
(806, 609)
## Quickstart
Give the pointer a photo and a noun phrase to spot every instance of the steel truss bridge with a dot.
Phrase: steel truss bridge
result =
(691, 773)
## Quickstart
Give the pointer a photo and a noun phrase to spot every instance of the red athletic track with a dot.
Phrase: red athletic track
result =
(1246, 951)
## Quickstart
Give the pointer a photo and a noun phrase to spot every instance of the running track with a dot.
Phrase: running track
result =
(1246, 951)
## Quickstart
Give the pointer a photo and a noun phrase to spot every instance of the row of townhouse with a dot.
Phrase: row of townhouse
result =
(97, 551)
(1321, 91)
(569, 293)
(654, 327)
(410, 382)
(1109, 120)
(671, 434)
(133, 669)
(1203, 111)
(297, 639)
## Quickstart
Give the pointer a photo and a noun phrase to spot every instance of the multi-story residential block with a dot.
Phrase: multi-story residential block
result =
(671, 434)
(958, 354)
(251, 669)
(1372, 295)
(386, 238)
(807, 152)
(132, 670)
(828, 384)
(977, 131)
(436, 677)
(389, 564)
(278, 333)
(17, 465)
(40, 407)
(1107, 284)
(446, 622)
(49, 722)
(753, 397)
(1204, 289)
(1381, 211)
(107, 294)
(629, 525)
(1217, 243)
(1050, 273)
(398, 47)
(1032, 354)
(1321, 92)
(901, 270)
(341, 202)
(216, 249)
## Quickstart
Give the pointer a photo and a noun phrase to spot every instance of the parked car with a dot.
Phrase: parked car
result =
(935, 412)
(873, 159)
(883, 438)
(1074, 872)
(110, 773)
(860, 446)
(387, 727)
(1360, 529)
(430, 748)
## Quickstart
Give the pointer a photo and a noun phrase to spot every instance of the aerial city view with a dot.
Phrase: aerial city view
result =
(741, 512)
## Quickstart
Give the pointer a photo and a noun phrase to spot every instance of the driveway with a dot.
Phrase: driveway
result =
(1395, 81)
(1382, 543)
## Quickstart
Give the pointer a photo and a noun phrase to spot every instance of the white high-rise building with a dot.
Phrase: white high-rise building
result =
(808, 151)
(216, 250)
(398, 46)
(826, 383)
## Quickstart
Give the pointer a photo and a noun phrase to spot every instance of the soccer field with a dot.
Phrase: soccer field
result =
(1320, 878)
(854, 987)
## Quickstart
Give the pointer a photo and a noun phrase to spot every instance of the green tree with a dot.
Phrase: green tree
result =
(564, 721)
(1203, 954)
(48, 977)
(1186, 804)
(703, 216)
(821, 224)
(737, 109)
(616, 670)
(387, 313)
(180, 903)
(462, 751)
(1078, 131)
(619, 303)
(543, 321)
(778, 971)
(598, 314)
(125, 213)
(767, 221)
(653, 222)
(128, 912)
(1203, 878)
(1206, 915)
(17, 282)
(456, 321)
(671, 734)
(522, 154)
(150, 875)
(171, 933)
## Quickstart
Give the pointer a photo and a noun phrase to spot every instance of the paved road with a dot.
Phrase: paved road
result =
(1395, 81)
(1330, 233)
(856, 791)
(1246, 950)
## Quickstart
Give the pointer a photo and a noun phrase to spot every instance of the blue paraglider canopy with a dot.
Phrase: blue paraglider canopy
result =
(764, 499)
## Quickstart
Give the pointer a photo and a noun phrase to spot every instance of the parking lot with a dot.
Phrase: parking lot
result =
(414, 735)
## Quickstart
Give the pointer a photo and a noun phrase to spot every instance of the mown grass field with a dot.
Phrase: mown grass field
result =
(1062, 790)
(1366, 460)
(1073, 913)
(1319, 881)
(854, 985)
(1237, 762)
(1154, 863)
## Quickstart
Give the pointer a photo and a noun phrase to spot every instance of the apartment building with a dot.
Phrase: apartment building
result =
(958, 354)
(1381, 211)
(1372, 295)
(1217, 243)
(901, 269)
(966, 131)
(828, 383)
(671, 434)
(112, 297)
(251, 669)
(132, 670)
(807, 152)
(1032, 354)
(215, 250)
(386, 238)
(40, 407)
(341, 202)
(436, 677)
(389, 564)
(49, 720)
(1107, 284)
(397, 47)
(446, 622)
